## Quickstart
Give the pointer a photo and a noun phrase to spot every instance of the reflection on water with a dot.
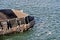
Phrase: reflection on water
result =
(47, 17)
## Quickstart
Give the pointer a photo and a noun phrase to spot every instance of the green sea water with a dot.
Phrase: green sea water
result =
(47, 19)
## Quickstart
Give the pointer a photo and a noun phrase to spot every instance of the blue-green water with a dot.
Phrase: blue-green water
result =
(47, 17)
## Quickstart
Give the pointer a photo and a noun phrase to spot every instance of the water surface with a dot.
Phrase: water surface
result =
(47, 17)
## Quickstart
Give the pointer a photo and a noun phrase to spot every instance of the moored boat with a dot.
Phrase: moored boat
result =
(14, 21)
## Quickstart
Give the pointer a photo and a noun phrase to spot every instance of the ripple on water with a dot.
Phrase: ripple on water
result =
(47, 18)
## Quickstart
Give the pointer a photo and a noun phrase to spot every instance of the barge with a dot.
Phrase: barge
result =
(12, 20)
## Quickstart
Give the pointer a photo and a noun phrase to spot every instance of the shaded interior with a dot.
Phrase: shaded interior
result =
(7, 14)
(29, 19)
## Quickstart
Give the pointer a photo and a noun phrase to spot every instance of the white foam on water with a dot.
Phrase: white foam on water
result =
(49, 33)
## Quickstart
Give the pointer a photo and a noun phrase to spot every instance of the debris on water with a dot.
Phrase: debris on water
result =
(49, 33)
